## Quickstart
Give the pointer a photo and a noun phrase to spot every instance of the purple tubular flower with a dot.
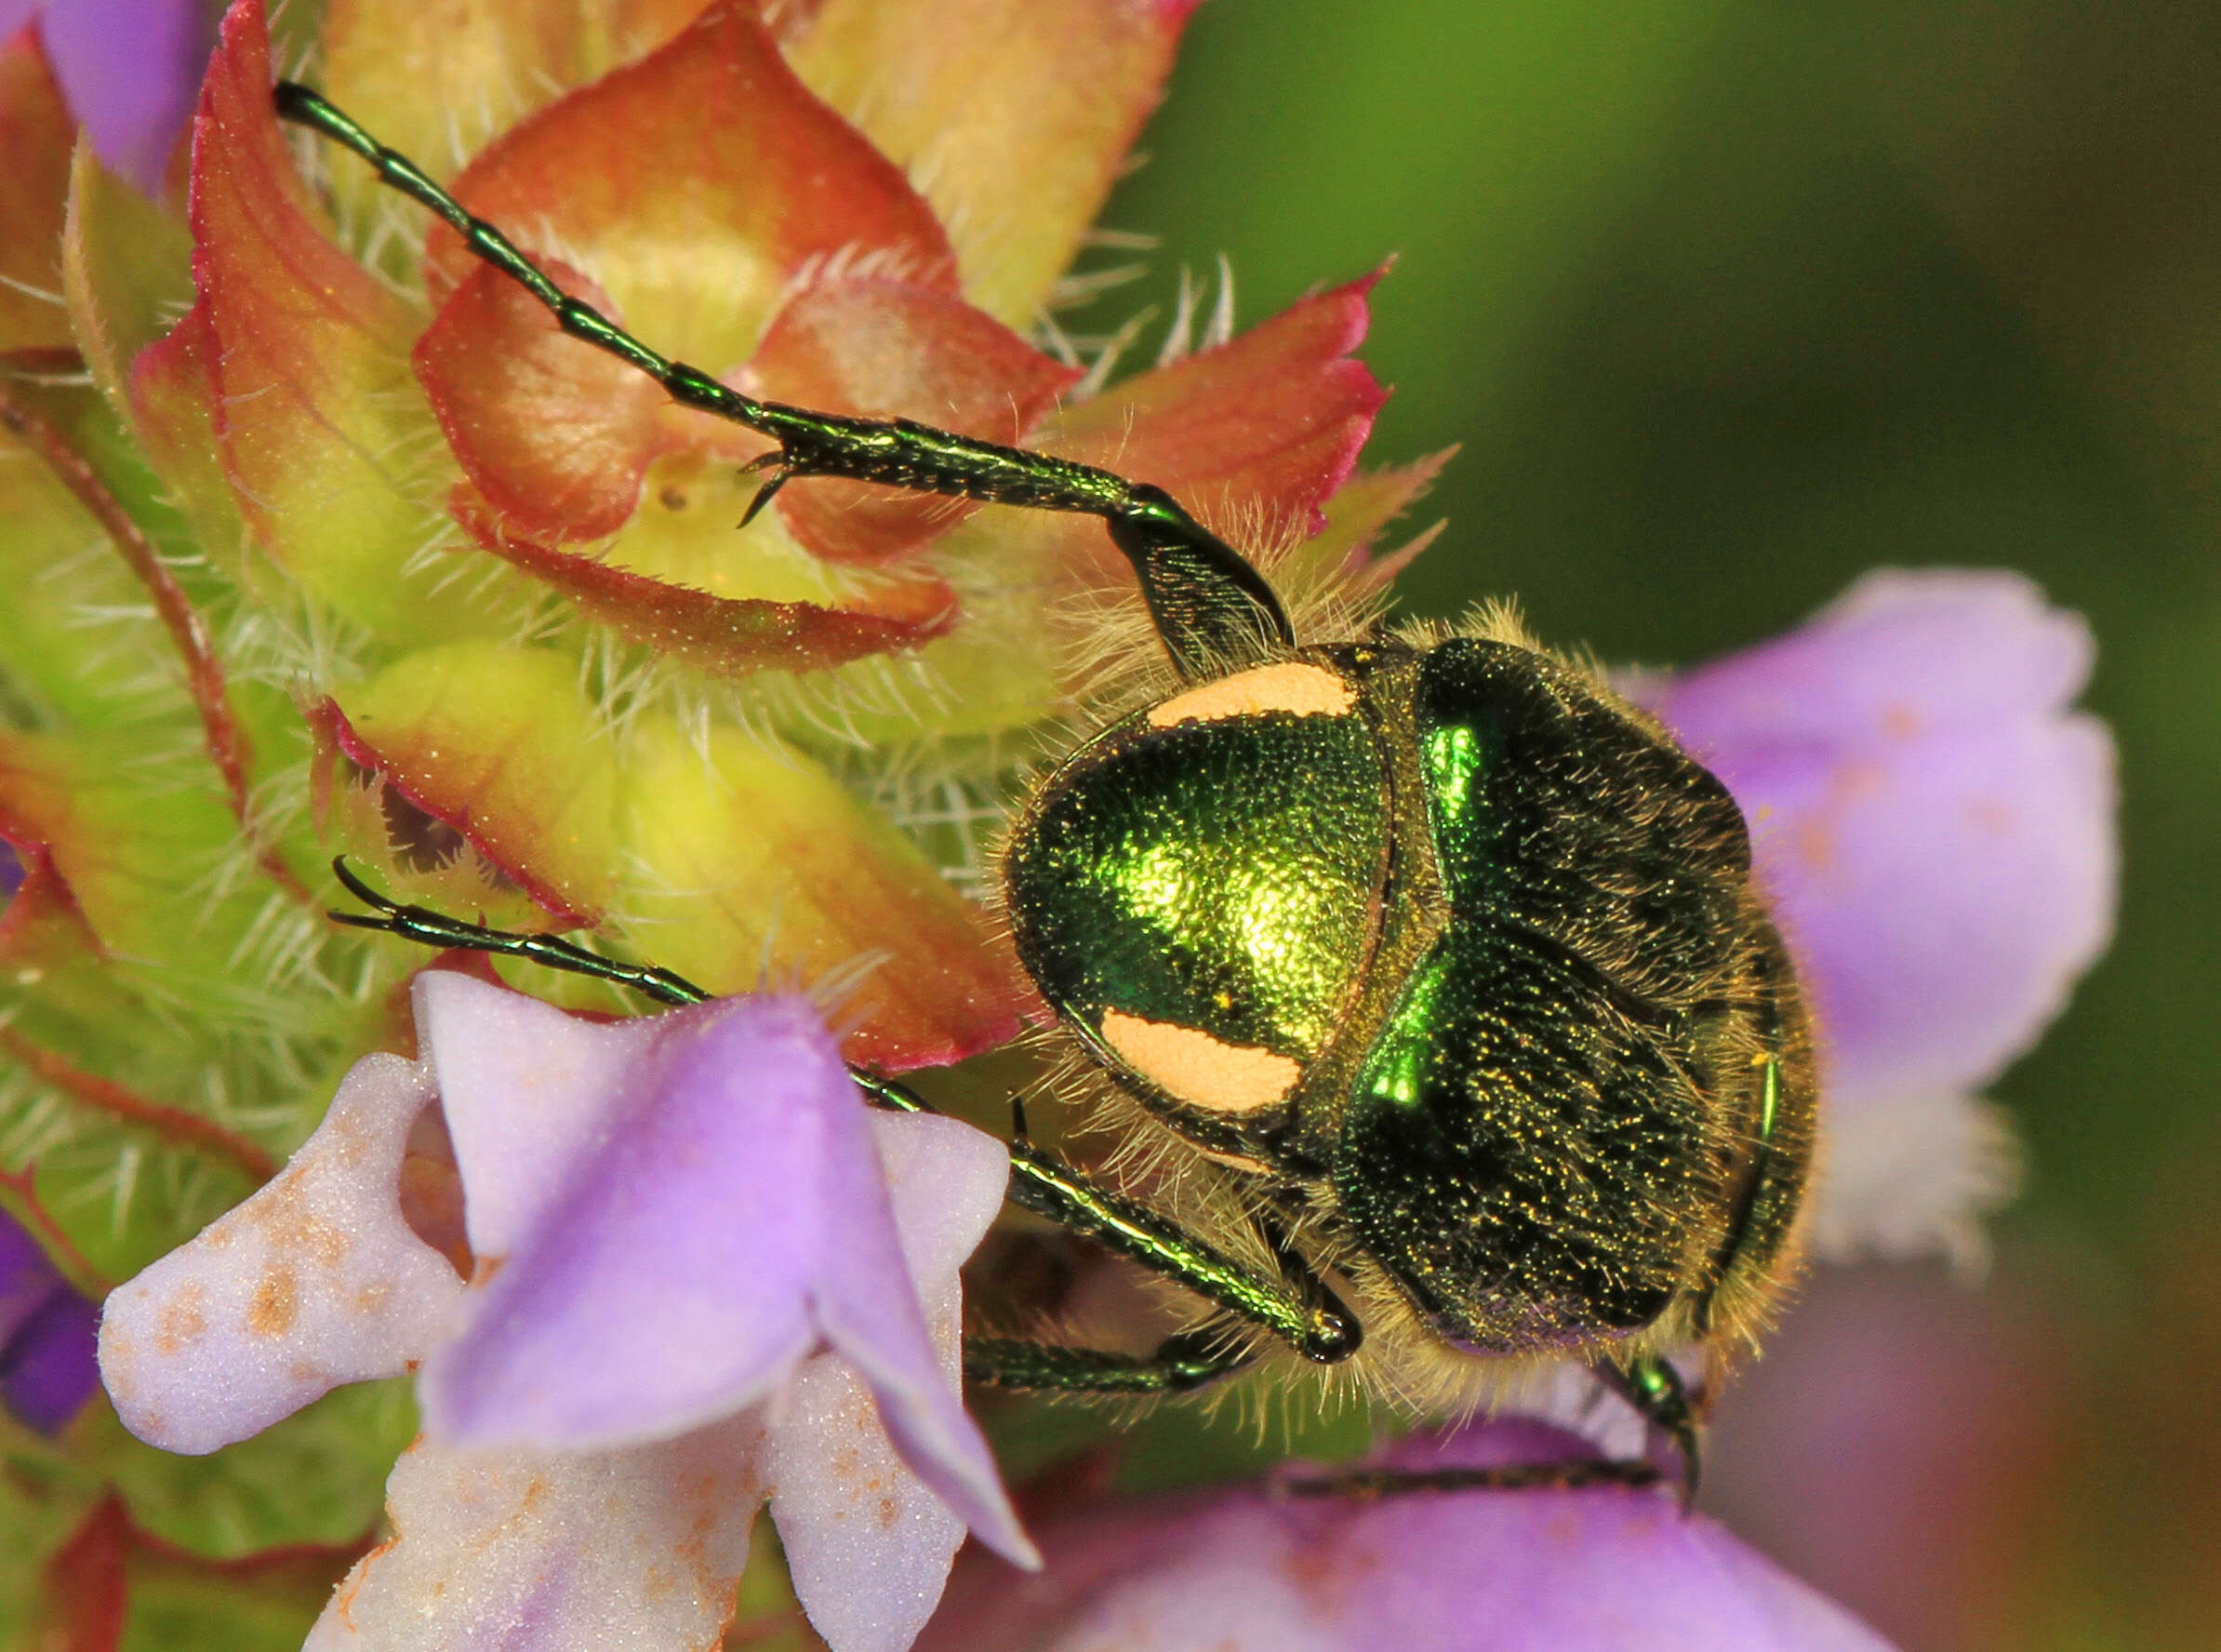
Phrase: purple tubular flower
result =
(46, 1328)
(1240, 1569)
(315, 1281)
(11, 872)
(702, 1274)
(1934, 828)
(130, 70)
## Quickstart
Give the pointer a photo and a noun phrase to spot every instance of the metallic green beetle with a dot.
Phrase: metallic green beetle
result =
(1455, 957)
(1443, 960)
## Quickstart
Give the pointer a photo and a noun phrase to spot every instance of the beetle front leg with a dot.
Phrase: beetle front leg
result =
(1212, 610)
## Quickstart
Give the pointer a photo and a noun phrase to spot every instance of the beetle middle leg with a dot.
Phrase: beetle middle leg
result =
(427, 927)
(1297, 1307)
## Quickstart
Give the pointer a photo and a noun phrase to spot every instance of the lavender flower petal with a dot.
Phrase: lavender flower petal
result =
(868, 1540)
(45, 1335)
(868, 1543)
(1237, 1569)
(526, 1092)
(1934, 828)
(48, 1371)
(665, 1283)
(27, 1278)
(315, 1281)
(951, 1182)
(555, 1551)
(693, 1200)
(130, 70)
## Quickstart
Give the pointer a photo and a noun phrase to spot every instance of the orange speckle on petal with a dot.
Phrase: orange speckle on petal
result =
(1856, 779)
(325, 1242)
(1991, 816)
(182, 1319)
(1814, 844)
(276, 1304)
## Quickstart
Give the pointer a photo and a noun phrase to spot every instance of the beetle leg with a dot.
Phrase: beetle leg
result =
(1298, 1307)
(1179, 1363)
(1569, 1475)
(1212, 610)
(427, 927)
(1652, 1385)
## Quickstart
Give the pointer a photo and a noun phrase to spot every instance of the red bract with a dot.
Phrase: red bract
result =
(35, 136)
(1255, 435)
(710, 632)
(886, 348)
(695, 231)
(307, 349)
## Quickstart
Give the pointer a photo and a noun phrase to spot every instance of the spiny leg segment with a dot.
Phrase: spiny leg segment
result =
(427, 927)
(1299, 1308)
(1212, 609)
(1365, 1483)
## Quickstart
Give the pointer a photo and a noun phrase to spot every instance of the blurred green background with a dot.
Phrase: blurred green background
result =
(1727, 301)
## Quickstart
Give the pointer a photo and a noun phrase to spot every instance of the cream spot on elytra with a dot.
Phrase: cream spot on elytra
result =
(1193, 1067)
(1305, 690)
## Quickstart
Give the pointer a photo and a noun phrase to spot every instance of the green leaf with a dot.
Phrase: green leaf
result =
(318, 1477)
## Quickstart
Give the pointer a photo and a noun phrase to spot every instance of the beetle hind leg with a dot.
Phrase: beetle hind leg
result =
(1181, 1364)
(1654, 1389)
(1569, 1475)
(1649, 1384)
